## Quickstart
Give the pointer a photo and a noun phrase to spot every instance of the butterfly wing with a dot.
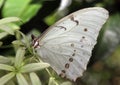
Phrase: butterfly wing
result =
(67, 45)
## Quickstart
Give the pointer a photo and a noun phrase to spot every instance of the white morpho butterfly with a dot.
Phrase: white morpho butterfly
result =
(68, 44)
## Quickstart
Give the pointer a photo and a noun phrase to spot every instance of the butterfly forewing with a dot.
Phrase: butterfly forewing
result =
(67, 45)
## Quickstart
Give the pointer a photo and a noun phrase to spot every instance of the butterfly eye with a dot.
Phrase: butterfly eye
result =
(35, 41)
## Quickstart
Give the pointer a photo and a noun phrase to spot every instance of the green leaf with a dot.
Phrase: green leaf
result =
(11, 82)
(26, 40)
(24, 9)
(66, 83)
(34, 67)
(1, 3)
(51, 19)
(6, 67)
(17, 44)
(52, 81)
(21, 79)
(4, 59)
(7, 29)
(9, 20)
(35, 79)
(19, 57)
(3, 34)
(6, 78)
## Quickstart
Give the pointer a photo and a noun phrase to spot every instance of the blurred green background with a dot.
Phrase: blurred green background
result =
(38, 15)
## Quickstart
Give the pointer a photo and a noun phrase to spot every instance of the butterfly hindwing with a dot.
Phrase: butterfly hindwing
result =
(67, 45)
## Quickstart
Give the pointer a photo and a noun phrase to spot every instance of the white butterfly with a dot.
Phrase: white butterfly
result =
(67, 45)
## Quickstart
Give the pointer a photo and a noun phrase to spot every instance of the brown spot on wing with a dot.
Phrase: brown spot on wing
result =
(63, 71)
(73, 54)
(81, 46)
(74, 50)
(76, 21)
(83, 37)
(61, 27)
(72, 45)
(71, 59)
(85, 29)
(67, 65)
(62, 75)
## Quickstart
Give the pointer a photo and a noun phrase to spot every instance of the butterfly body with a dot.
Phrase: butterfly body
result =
(68, 44)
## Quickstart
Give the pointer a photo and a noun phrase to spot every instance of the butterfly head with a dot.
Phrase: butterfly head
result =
(35, 41)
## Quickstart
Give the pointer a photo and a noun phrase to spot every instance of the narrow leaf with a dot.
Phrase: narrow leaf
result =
(17, 44)
(21, 79)
(4, 59)
(8, 20)
(26, 40)
(19, 57)
(11, 82)
(6, 78)
(34, 67)
(7, 29)
(66, 83)
(6, 67)
(52, 81)
(3, 34)
(35, 79)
